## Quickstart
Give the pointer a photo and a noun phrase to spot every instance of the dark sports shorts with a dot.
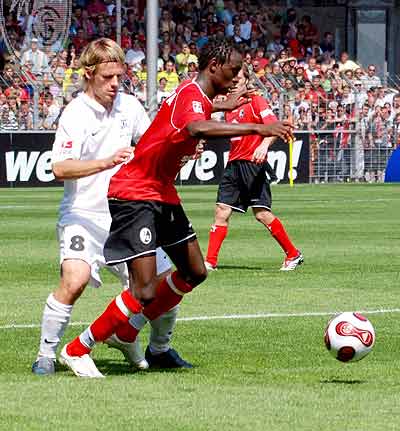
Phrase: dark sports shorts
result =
(139, 227)
(245, 184)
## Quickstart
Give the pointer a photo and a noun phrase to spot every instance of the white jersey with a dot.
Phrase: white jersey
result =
(87, 131)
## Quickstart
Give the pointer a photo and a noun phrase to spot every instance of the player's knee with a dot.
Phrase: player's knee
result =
(265, 217)
(145, 293)
(71, 289)
(198, 275)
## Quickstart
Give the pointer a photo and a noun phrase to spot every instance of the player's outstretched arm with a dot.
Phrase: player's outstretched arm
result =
(72, 169)
(216, 129)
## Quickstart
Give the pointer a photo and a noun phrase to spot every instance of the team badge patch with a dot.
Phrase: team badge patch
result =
(145, 235)
(197, 107)
(241, 113)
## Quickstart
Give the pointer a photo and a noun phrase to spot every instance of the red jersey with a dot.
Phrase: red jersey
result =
(257, 111)
(150, 175)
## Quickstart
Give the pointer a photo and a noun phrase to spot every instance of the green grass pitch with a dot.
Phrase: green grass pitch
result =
(265, 373)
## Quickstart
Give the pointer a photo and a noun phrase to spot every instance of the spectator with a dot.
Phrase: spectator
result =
(311, 69)
(135, 55)
(345, 63)
(275, 47)
(245, 26)
(371, 79)
(52, 111)
(327, 44)
(183, 58)
(39, 60)
(96, 8)
(170, 75)
(166, 22)
(311, 35)
(162, 93)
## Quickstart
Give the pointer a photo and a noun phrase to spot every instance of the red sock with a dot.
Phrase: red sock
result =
(279, 233)
(216, 238)
(166, 298)
(76, 348)
(116, 314)
(127, 333)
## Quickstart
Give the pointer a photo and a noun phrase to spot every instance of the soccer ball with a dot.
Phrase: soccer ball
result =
(349, 336)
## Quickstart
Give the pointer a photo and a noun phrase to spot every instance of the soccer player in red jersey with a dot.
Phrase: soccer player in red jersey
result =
(245, 183)
(146, 210)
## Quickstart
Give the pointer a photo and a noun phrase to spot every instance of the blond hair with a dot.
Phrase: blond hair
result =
(100, 51)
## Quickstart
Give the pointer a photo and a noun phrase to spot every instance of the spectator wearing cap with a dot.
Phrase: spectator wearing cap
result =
(345, 63)
(39, 60)
(371, 79)
(183, 58)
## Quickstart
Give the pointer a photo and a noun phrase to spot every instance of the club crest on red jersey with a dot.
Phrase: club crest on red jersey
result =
(197, 107)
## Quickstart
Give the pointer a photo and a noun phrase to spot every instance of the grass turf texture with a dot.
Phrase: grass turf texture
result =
(251, 374)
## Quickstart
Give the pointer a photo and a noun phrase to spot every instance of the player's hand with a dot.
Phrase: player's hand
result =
(199, 150)
(281, 129)
(124, 155)
(260, 153)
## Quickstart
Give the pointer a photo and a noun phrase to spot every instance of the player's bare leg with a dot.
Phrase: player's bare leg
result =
(293, 258)
(75, 275)
(191, 271)
(218, 233)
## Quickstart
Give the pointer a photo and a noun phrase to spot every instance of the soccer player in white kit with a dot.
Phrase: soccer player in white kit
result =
(93, 140)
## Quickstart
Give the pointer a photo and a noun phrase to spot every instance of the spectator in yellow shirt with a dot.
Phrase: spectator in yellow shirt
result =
(170, 75)
(184, 58)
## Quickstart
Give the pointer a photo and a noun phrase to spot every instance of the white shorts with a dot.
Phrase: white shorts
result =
(86, 241)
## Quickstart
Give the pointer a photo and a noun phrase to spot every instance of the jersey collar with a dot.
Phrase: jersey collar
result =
(96, 106)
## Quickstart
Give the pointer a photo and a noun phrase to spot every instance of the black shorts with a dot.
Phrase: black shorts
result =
(139, 227)
(245, 184)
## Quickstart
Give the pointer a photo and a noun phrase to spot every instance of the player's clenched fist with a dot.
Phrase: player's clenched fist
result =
(124, 155)
(281, 129)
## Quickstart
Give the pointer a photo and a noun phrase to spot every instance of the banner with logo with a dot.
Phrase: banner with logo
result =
(209, 169)
(25, 161)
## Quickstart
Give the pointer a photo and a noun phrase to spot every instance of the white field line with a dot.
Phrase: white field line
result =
(230, 317)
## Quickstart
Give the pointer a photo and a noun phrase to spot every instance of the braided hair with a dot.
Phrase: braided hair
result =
(220, 51)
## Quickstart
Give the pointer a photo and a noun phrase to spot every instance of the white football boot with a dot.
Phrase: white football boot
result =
(132, 351)
(290, 264)
(82, 366)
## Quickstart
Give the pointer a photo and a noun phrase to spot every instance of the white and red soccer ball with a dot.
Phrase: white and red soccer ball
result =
(349, 337)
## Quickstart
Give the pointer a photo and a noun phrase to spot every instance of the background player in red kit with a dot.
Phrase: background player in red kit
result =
(245, 182)
(146, 210)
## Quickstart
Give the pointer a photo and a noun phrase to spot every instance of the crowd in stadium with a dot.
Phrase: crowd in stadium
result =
(293, 63)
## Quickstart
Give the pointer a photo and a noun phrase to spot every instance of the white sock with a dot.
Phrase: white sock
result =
(55, 320)
(161, 331)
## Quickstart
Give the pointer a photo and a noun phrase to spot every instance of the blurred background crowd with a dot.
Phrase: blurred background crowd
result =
(293, 63)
